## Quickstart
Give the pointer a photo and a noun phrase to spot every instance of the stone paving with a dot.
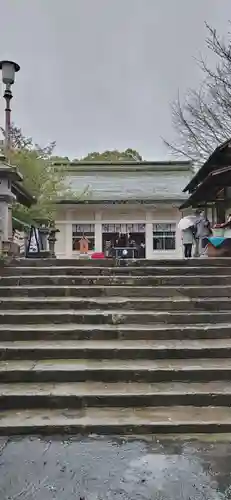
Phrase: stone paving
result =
(96, 468)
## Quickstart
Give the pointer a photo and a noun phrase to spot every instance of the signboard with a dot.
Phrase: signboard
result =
(34, 243)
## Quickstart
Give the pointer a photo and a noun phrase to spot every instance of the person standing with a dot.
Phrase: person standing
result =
(194, 230)
(203, 231)
(84, 245)
(187, 240)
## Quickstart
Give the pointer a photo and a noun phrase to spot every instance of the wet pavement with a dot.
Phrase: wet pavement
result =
(102, 469)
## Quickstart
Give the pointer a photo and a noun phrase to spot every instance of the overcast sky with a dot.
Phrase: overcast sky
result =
(101, 74)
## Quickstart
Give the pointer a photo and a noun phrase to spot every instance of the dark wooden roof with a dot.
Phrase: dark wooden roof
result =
(209, 188)
(219, 158)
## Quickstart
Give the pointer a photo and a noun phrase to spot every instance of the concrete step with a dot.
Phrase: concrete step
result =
(112, 317)
(72, 332)
(115, 349)
(172, 280)
(115, 271)
(111, 262)
(96, 291)
(89, 347)
(113, 303)
(138, 420)
(99, 394)
(82, 370)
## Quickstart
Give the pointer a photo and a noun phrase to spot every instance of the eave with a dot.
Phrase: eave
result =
(209, 188)
(22, 195)
(121, 202)
(11, 173)
(220, 157)
(125, 166)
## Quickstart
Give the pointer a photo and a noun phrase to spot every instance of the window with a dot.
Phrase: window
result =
(123, 228)
(80, 230)
(164, 236)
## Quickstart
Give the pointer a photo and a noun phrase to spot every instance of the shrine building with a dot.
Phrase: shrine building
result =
(139, 198)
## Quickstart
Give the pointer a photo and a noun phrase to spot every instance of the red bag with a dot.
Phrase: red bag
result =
(98, 255)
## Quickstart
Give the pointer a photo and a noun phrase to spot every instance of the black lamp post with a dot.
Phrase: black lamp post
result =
(9, 68)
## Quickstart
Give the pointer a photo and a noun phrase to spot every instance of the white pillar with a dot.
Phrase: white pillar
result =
(68, 240)
(179, 251)
(149, 240)
(149, 236)
(98, 237)
(98, 232)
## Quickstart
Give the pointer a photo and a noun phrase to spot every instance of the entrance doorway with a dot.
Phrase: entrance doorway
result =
(110, 233)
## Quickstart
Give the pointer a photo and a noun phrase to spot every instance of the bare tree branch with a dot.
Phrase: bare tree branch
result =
(203, 120)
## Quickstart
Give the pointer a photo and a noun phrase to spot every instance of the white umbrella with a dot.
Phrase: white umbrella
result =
(187, 222)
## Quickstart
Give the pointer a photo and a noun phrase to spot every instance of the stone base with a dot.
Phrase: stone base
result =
(10, 248)
(44, 254)
(85, 256)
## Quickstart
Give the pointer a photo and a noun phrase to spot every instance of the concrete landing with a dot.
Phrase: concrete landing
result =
(91, 468)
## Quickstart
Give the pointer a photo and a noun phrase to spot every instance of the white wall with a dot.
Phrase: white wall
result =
(98, 215)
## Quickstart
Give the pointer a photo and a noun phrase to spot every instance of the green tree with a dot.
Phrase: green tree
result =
(60, 159)
(44, 181)
(113, 156)
(202, 120)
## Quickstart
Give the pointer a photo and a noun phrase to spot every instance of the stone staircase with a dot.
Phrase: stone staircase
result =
(90, 348)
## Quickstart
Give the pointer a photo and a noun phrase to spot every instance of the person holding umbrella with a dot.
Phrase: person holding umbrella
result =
(187, 241)
(203, 231)
(186, 225)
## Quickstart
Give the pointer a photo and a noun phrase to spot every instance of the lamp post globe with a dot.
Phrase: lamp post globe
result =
(9, 68)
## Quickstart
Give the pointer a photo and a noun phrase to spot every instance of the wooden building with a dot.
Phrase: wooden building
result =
(210, 188)
(139, 198)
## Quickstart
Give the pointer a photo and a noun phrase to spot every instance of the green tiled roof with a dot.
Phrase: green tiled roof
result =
(131, 185)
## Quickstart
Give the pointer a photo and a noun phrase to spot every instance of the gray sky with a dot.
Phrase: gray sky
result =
(101, 74)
